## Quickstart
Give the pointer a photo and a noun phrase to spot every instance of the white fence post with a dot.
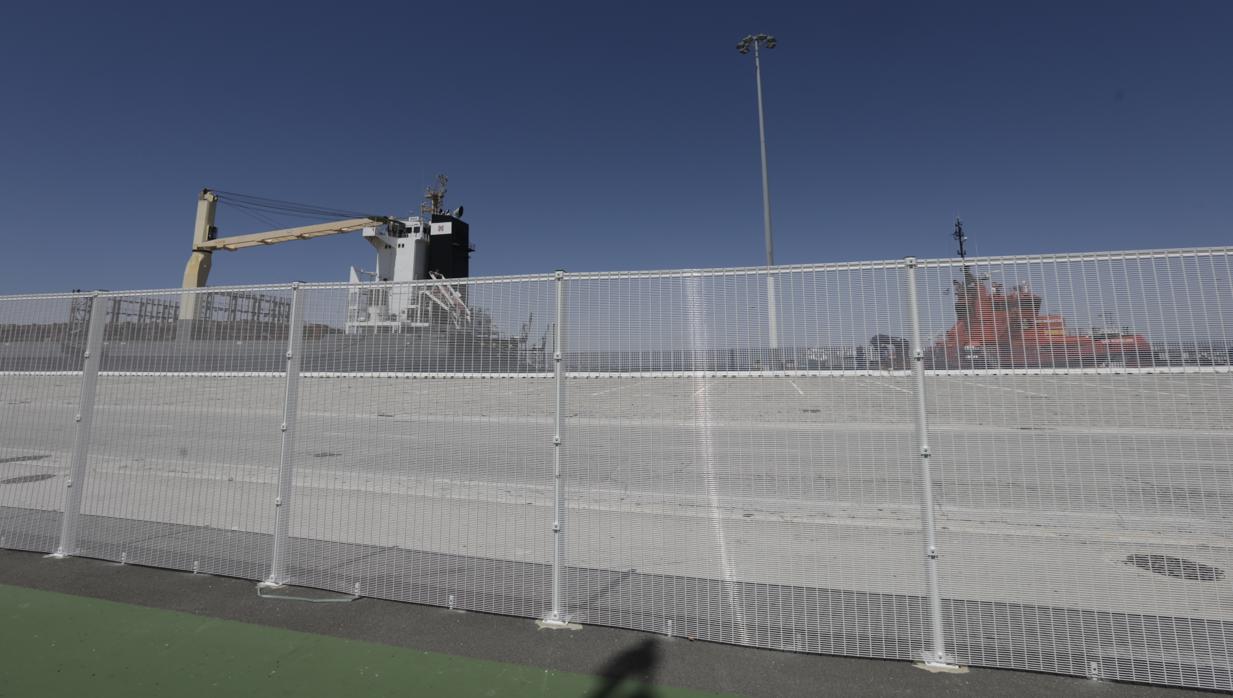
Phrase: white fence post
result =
(71, 522)
(772, 312)
(557, 616)
(936, 655)
(286, 464)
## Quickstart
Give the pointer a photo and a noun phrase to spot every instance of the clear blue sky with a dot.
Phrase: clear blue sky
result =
(610, 135)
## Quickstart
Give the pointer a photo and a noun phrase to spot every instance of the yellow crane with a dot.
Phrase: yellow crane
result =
(206, 242)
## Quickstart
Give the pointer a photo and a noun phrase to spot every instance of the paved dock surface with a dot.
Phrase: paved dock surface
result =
(779, 511)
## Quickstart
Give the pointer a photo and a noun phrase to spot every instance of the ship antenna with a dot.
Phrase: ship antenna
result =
(434, 197)
(961, 239)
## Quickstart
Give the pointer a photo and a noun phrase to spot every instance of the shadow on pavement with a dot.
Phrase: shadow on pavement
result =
(637, 664)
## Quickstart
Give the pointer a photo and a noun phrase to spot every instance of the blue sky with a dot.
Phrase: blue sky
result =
(594, 136)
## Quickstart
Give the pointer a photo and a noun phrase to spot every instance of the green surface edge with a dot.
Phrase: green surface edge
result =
(60, 644)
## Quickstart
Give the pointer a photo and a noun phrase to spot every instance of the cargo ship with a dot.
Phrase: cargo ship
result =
(410, 314)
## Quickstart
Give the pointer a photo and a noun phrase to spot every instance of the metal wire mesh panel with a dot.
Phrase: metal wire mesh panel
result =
(730, 455)
(423, 450)
(1080, 410)
(185, 441)
(41, 344)
(729, 485)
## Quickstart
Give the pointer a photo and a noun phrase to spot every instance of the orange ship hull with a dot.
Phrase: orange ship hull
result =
(995, 329)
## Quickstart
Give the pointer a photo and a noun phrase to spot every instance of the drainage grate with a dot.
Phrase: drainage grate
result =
(1176, 567)
(326, 454)
(26, 478)
(23, 459)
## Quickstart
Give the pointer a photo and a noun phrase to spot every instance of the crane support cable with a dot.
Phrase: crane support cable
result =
(262, 203)
(265, 213)
(255, 214)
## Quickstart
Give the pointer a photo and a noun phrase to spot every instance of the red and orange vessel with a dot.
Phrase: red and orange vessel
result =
(996, 329)
(999, 329)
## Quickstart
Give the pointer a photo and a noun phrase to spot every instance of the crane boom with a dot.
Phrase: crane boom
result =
(433, 245)
(205, 243)
(304, 232)
(197, 272)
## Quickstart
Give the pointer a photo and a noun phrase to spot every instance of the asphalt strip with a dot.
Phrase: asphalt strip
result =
(86, 627)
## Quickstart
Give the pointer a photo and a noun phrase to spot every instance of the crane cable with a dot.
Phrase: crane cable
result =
(256, 215)
(259, 204)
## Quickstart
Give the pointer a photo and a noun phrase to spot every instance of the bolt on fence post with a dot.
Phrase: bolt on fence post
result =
(936, 655)
(93, 355)
(557, 616)
(286, 463)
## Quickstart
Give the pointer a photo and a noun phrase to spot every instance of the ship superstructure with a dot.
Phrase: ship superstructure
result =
(433, 246)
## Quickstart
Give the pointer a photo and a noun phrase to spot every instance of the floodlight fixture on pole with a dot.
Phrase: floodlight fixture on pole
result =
(757, 41)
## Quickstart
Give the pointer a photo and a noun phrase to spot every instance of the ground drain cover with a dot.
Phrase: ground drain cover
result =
(326, 454)
(26, 478)
(22, 459)
(1177, 567)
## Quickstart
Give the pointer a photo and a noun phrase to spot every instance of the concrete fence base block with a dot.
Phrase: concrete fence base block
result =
(546, 624)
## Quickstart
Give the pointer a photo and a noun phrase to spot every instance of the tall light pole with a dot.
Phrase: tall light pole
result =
(757, 41)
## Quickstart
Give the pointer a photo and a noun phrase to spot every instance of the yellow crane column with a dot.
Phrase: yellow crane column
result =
(198, 269)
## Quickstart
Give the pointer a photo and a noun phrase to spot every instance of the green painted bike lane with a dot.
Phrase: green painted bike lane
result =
(55, 644)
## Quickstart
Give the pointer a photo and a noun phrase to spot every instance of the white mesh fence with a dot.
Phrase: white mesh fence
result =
(423, 457)
(718, 488)
(41, 345)
(707, 472)
(1084, 481)
(182, 468)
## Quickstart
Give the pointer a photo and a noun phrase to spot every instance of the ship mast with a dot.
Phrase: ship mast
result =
(434, 197)
(962, 239)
